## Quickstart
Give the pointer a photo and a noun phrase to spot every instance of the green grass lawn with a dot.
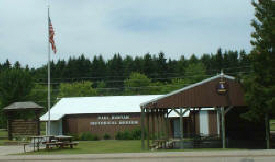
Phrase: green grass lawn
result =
(3, 133)
(3, 137)
(112, 146)
(272, 125)
(96, 147)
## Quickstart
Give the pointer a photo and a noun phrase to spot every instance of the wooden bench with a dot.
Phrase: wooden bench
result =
(50, 144)
(71, 144)
(153, 146)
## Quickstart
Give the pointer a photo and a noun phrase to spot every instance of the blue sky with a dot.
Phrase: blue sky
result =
(128, 27)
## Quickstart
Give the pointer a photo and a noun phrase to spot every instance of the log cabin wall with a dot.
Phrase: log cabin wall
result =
(24, 127)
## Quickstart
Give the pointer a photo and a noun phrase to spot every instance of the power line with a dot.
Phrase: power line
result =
(105, 77)
(122, 81)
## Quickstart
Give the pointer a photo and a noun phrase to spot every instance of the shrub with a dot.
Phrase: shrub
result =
(119, 135)
(127, 135)
(88, 136)
(106, 136)
(95, 137)
(136, 134)
(75, 137)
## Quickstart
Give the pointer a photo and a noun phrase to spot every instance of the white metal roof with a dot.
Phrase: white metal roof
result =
(103, 104)
(187, 87)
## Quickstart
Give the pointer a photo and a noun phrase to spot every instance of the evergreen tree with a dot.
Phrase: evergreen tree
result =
(206, 60)
(162, 66)
(17, 65)
(219, 60)
(149, 65)
(260, 86)
(193, 59)
(7, 65)
(15, 85)
(181, 65)
(128, 65)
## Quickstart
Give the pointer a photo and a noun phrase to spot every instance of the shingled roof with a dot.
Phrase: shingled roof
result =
(23, 106)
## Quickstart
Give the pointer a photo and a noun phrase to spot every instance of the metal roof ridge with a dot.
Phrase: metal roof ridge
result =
(107, 96)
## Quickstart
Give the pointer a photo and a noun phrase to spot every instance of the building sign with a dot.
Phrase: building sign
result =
(222, 87)
(129, 122)
(115, 119)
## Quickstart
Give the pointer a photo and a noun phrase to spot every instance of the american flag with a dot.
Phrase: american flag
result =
(51, 34)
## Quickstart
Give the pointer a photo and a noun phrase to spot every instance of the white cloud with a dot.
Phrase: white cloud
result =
(129, 27)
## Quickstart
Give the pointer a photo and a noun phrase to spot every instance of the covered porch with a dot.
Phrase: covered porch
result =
(220, 93)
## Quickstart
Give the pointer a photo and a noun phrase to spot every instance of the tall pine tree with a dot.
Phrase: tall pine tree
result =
(260, 86)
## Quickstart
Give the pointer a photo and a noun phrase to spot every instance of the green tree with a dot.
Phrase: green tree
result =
(206, 60)
(137, 84)
(39, 94)
(83, 89)
(260, 85)
(194, 73)
(149, 65)
(15, 85)
(219, 60)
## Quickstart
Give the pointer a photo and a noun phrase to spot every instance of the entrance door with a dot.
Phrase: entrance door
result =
(176, 126)
(204, 123)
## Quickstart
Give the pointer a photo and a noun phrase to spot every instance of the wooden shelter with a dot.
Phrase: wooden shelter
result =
(221, 92)
(20, 126)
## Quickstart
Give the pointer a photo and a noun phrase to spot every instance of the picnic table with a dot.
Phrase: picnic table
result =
(158, 144)
(49, 141)
(61, 141)
(35, 142)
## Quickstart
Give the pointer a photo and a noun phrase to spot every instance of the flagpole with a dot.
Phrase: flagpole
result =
(49, 76)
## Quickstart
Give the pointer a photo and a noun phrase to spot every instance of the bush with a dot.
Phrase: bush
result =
(75, 137)
(106, 136)
(119, 135)
(88, 136)
(127, 135)
(136, 134)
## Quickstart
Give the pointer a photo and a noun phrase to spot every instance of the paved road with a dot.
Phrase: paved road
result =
(17, 149)
(218, 156)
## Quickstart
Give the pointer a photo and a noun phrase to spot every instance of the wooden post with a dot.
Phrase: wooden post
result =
(148, 127)
(267, 131)
(37, 114)
(181, 129)
(194, 122)
(9, 125)
(163, 124)
(157, 123)
(223, 127)
(142, 128)
(153, 125)
(160, 124)
(167, 125)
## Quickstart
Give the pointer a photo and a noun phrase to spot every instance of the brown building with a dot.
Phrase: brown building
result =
(223, 94)
(100, 123)
(110, 114)
(98, 115)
